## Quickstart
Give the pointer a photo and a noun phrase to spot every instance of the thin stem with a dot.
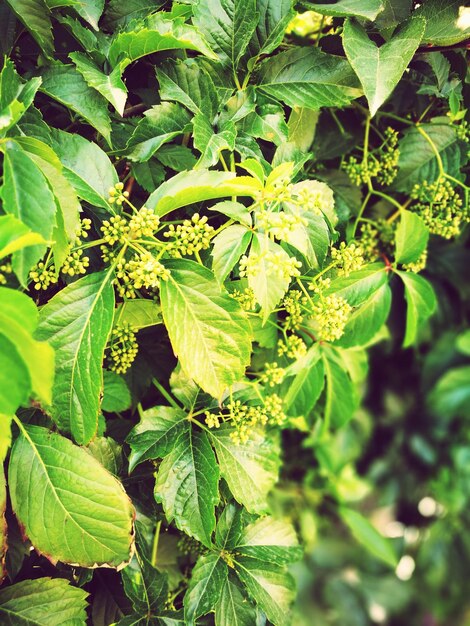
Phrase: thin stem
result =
(440, 165)
(156, 537)
(165, 394)
(361, 211)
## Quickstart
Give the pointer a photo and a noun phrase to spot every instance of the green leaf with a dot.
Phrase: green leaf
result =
(311, 239)
(218, 348)
(380, 68)
(176, 157)
(301, 127)
(233, 608)
(155, 34)
(189, 84)
(421, 303)
(411, 238)
(417, 161)
(118, 15)
(368, 536)
(267, 123)
(269, 287)
(235, 210)
(77, 322)
(43, 602)
(270, 540)
(90, 10)
(445, 25)
(228, 246)
(150, 174)
(229, 527)
(250, 469)
(228, 26)
(15, 380)
(108, 452)
(340, 393)
(154, 435)
(27, 196)
(205, 586)
(161, 124)
(5, 442)
(462, 342)
(3, 504)
(304, 389)
(187, 484)
(18, 319)
(138, 314)
(307, 77)
(15, 96)
(360, 285)
(145, 586)
(116, 394)
(66, 85)
(271, 588)
(109, 86)
(87, 167)
(347, 8)
(14, 236)
(52, 479)
(450, 397)
(197, 186)
(274, 16)
(36, 17)
(209, 143)
(367, 319)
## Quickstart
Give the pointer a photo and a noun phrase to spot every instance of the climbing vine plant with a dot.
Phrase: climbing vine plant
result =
(210, 212)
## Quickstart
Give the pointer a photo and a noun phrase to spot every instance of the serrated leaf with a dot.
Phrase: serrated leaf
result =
(161, 124)
(271, 588)
(176, 157)
(304, 388)
(108, 452)
(66, 85)
(77, 322)
(417, 161)
(199, 185)
(229, 527)
(233, 608)
(118, 15)
(274, 16)
(270, 540)
(307, 77)
(301, 127)
(27, 196)
(43, 602)
(217, 350)
(340, 393)
(228, 247)
(15, 380)
(153, 436)
(365, 321)
(209, 143)
(187, 484)
(235, 211)
(250, 469)
(110, 86)
(228, 26)
(444, 24)
(360, 284)
(146, 587)
(138, 314)
(411, 238)
(189, 84)
(90, 11)
(14, 236)
(312, 238)
(154, 34)
(87, 167)
(205, 586)
(36, 17)
(91, 515)
(116, 394)
(368, 536)
(15, 96)
(421, 303)
(347, 8)
(380, 68)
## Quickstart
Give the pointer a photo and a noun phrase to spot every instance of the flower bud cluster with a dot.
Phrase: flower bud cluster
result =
(188, 545)
(117, 195)
(245, 298)
(293, 347)
(330, 315)
(293, 303)
(189, 237)
(5, 271)
(82, 231)
(115, 230)
(418, 265)
(43, 276)
(279, 224)
(143, 224)
(75, 264)
(376, 238)
(314, 196)
(440, 207)
(142, 271)
(348, 258)
(381, 165)
(273, 375)
(276, 264)
(123, 349)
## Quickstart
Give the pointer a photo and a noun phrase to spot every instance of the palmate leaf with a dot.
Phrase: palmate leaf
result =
(217, 349)
(270, 540)
(205, 587)
(380, 68)
(274, 16)
(250, 469)
(187, 484)
(77, 322)
(43, 602)
(307, 77)
(233, 608)
(145, 586)
(72, 509)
